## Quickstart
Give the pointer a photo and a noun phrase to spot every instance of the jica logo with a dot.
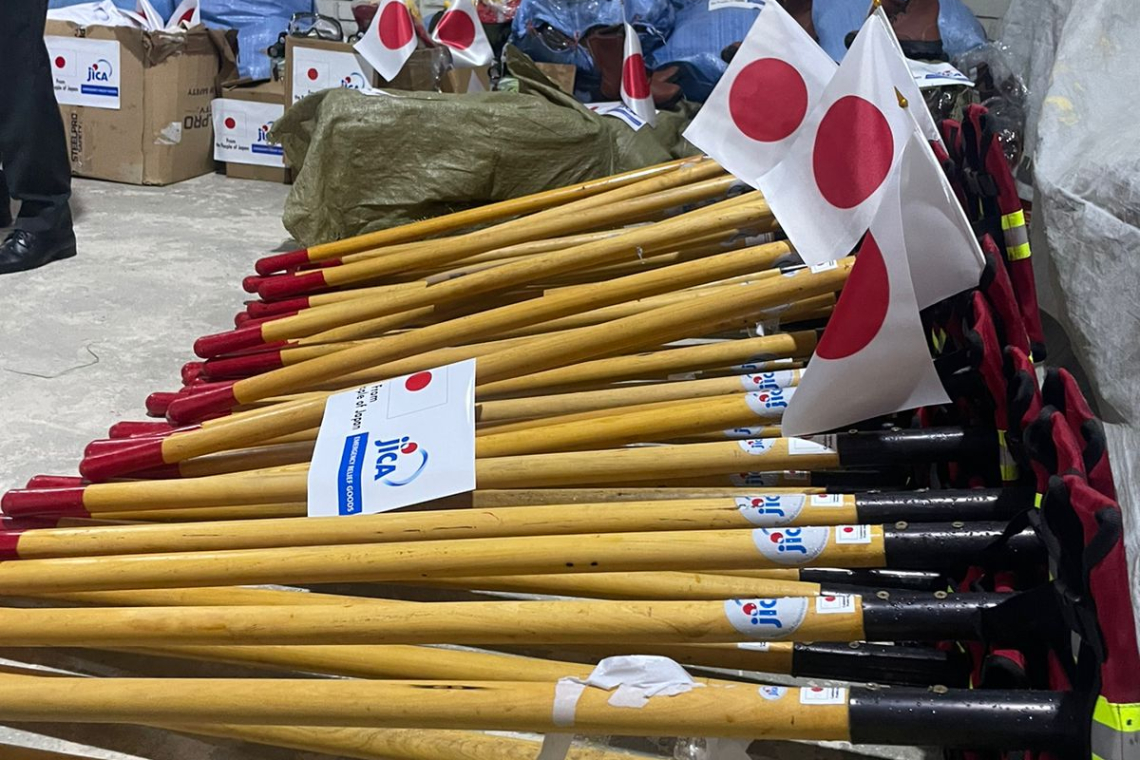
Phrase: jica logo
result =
(765, 380)
(263, 132)
(788, 541)
(769, 505)
(762, 612)
(354, 81)
(100, 71)
(399, 461)
(773, 398)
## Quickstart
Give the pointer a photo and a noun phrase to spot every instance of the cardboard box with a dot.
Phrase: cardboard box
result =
(245, 112)
(135, 104)
(313, 64)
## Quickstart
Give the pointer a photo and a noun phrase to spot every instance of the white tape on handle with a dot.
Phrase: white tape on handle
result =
(633, 679)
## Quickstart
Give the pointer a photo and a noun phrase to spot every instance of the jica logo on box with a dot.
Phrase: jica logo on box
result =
(100, 71)
(399, 461)
(353, 81)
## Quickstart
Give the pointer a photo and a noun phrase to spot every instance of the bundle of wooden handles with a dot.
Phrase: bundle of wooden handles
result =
(636, 339)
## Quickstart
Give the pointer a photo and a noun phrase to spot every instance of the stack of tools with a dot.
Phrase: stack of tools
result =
(636, 340)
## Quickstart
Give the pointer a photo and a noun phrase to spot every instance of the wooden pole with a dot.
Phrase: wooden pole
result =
(709, 550)
(461, 623)
(730, 710)
(716, 218)
(553, 351)
(639, 424)
(653, 365)
(461, 219)
(687, 185)
(598, 517)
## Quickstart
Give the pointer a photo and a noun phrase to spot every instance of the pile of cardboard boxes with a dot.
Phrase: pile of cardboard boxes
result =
(155, 108)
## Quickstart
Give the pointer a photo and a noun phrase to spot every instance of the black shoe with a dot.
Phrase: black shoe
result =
(30, 250)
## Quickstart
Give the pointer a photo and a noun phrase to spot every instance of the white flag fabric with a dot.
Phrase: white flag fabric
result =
(754, 112)
(635, 81)
(872, 358)
(146, 16)
(910, 90)
(943, 252)
(187, 15)
(391, 39)
(830, 184)
(460, 30)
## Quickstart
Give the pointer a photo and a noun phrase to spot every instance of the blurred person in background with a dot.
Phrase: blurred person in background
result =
(33, 146)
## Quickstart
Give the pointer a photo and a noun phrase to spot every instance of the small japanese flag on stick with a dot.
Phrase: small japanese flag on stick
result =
(826, 191)
(460, 30)
(187, 15)
(391, 39)
(872, 358)
(753, 114)
(635, 81)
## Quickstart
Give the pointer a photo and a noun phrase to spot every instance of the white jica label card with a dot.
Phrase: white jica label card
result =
(393, 444)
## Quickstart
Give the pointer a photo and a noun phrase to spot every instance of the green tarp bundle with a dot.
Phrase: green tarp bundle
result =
(366, 162)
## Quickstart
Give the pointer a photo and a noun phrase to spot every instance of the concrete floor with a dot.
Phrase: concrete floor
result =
(83, 342)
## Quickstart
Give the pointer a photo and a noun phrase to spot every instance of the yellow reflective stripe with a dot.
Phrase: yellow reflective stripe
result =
(1018, 252)
(1123, 717)
(1006, 462)
(938, 337)
(1037, 499)
(1016, 219)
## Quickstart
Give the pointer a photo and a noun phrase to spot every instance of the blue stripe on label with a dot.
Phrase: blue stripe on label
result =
(350, 497)
(94, 89)
(269, 150)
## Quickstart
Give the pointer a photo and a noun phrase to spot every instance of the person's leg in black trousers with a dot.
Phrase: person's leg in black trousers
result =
(33, 146)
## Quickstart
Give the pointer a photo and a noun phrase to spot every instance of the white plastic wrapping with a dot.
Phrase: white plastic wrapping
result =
(1081, 62)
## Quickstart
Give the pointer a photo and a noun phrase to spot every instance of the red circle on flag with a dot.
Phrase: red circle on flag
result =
(634, 80)
(394, 26)
(313, 73)
(862, 307)
(230, 123)
(768, 80)
(418, 381)
(456, 29)
(853, 151)
(60, 61)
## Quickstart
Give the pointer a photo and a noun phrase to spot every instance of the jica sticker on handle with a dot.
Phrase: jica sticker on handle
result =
(770, 510)
(791, 546)
(766, 618)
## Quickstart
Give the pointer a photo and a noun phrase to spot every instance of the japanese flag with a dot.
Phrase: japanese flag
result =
(460, 30)
(751, 118)
(634, 80)
(872, 358)
(146, 16)
(910, 90)
(830, 184)
(391, 39)
(187, 15)
(943, 252)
